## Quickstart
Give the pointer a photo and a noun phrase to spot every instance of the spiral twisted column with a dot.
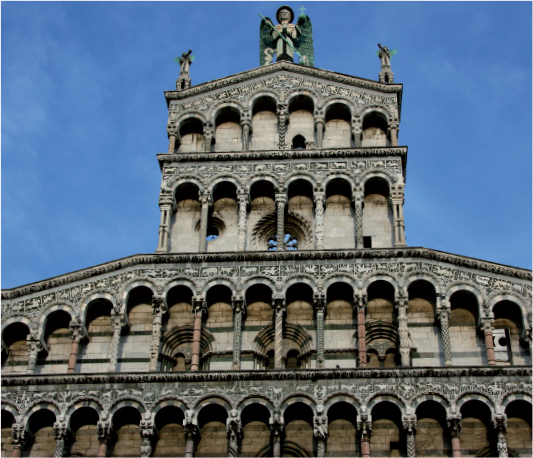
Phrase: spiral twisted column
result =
(282, 121)
(358, 201)
(281, 201)
(319, 126)
(320, 200)
(172, 142)
(279, 310)
(320, 310)
(443, 313)
(208, 136)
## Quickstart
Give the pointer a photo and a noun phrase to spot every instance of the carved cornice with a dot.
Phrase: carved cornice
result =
(266, 256)
(289, 67)
(301, 374)
(400, 151)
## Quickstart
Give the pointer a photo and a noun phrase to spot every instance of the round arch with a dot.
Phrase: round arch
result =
(292, 399)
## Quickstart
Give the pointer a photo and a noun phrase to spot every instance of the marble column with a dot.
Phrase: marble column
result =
(60, 432)
(34, 348)
(205, 202)
(239, 314)
(199, 308)
(243, 199)
(279, 311)
(76, 334)
(364, 429)
(246, 128)
(234, 432)
(359, 198)
(18, 433)
(397, 201)
(393, 130)
(320, 127)
(166, 204)
(403, 330)
(159, 309)
(360, 301)
(409, 425)
(443, 313)
(281, 201)
(282, 124)
(192, 434)
(357, 131)
(488, 326)
(104, 430)
(320, 310)
(500, 425)
(454, 423)
(320, 431)
(171, 142)
(146, 429)
(277, 433)
(118, 324)
(208, 136)
(320, 202)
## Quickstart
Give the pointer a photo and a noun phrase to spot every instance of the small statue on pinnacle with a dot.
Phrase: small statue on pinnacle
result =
(185, 61)
(385, 75)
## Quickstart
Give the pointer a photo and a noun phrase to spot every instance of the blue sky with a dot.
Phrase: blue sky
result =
(84, 115)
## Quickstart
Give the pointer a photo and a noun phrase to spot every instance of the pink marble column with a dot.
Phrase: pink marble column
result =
(488, 324)
(76, 333)
(360, 301)
(198, 310)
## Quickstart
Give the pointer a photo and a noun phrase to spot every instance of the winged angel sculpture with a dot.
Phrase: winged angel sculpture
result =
(286, 38)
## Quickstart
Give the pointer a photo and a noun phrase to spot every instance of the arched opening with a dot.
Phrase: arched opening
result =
(126, 421)
(183, 233)
(84, 432)
(6, 438)
(264, 124)
(342, 428)
(169, 425)
(293, 360)
(57, 338)
(255, 430)
(375, 130)
(100, 334)
(299, 439)
(224, 219)
(386, 439)
(298, 142)
(432, 438)
(425, 335)
(219, 323)
(339, 217)
(338, 132)
(300, 304)
(41, 438)
(262, 205)
(192, 136)
(300, 202)
(463, 330)
(377, 214)
(15, 354)
(476, 432)
(339, 326)
(301, 119)
(135, 345)
(228, 132)
(259, 315)
(212, 424)
(508, 330)
(518, 434)
(382, 339)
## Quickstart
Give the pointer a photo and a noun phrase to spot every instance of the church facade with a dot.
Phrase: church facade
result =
(283, 313)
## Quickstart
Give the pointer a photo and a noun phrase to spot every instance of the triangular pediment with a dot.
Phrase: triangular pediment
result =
(285, 78)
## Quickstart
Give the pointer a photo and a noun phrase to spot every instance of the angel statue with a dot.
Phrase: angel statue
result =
(385, 55)
(286, 38)
(185, 61)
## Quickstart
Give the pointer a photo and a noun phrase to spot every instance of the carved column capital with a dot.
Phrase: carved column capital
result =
(487, 324)
(409, 423)
(319, 300)
(276, 424)
(455, 424)
(234, 432)
(199, 306)
(18, 434)
(166, 197)
(278, 302)
(76, 330)
(360, 301)
(320, 427)
(158, 305)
